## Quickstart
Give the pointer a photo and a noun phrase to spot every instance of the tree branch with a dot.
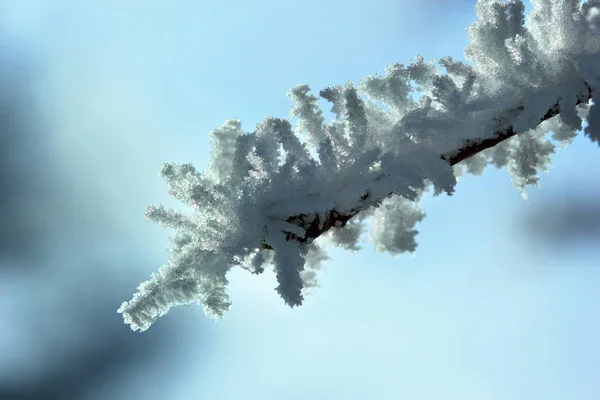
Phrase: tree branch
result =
(469, 149)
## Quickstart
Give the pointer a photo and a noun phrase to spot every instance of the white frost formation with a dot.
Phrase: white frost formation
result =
(374, 159)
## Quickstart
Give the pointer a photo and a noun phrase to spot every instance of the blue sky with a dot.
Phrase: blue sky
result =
(493, 305)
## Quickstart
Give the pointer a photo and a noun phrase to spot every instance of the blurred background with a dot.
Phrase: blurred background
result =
(500, 301)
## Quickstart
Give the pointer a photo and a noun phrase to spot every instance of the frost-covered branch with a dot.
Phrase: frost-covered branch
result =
(469, 149)
(266, 198)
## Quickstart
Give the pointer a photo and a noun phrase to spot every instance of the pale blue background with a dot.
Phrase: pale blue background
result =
(499, 302)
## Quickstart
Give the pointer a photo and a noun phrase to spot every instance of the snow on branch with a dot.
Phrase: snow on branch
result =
(265, 199)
